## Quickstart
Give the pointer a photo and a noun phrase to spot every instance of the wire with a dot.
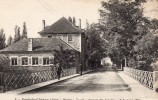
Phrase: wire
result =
(46, 6)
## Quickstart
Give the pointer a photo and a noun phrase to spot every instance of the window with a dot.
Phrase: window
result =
(35, 61)
(46, 61)
(49, 36)
(24, 61)
(70, 38)
(14, 61)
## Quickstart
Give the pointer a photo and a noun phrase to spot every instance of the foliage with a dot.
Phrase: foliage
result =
(24, 32)
(2, 39)
(70, 19)
(123, 24)
(4, 62)
(74, 20)
(97, 44)
(17, 34)
(148, 48)
(10, 40)
(65, 58)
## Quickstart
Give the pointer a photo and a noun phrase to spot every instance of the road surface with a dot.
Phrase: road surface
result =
(97, 85)
(96, 81)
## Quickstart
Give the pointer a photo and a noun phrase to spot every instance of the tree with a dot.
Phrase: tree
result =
(98, 46)
(2, 39)
(154, 24)
(65, 58)
(123, 24)
(4, 62)
(24, 32)
(70, 19)
(74, 20)
(147, 48)
(10, 40)
(17, 34)
(87, 25)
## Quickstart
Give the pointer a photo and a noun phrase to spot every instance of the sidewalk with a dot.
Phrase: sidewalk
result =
(38, 85)
(138, 89)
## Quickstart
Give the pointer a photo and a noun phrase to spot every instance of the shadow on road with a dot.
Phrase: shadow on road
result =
(81, 88)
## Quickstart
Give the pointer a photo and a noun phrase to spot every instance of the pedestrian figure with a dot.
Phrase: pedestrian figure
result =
(80, 65)
(59, 70)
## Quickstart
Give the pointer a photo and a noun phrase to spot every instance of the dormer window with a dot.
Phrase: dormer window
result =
(70, 39)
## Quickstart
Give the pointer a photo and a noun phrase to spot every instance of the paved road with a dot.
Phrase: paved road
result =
(96, 81)
(97, 85)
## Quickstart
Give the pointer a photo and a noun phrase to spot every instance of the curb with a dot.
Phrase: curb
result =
(127, 85)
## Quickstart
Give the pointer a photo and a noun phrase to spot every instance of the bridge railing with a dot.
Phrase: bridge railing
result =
(146, 78)
(14, 80)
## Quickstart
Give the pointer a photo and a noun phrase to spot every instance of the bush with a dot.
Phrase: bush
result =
(132, 63)
(4, 62)
(154, 66)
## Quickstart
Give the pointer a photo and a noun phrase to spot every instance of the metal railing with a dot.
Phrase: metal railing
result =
(19, 79)
(146, 78)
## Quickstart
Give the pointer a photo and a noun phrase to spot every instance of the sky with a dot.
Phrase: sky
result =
(15, 12)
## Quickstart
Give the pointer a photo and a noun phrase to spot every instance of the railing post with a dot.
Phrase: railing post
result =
(2, 84)
(154, 81)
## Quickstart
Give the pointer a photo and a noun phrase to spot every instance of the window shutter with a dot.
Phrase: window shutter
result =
(51, 60)
(10, 61)
(29, 61)
(40, 60)
(19, 61)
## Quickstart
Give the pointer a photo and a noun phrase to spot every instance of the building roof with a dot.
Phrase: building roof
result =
(61, 26)
(39, 44)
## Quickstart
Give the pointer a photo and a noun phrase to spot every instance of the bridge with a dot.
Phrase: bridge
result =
(130, 84)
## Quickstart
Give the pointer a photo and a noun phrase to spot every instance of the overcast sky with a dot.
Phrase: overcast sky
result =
(15, 12)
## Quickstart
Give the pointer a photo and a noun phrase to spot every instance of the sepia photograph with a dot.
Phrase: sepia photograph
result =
(79, 49)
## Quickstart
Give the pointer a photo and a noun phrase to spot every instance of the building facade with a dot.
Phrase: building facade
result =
(35, 51)
(69, 33)
(40, 51)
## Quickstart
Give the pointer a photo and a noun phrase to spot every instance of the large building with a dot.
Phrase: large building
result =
(64, 30)
(71, 34)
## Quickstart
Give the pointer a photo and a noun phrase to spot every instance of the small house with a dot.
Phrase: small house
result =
(34, 51)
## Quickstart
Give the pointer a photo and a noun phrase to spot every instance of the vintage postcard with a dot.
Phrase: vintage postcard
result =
(79, 49)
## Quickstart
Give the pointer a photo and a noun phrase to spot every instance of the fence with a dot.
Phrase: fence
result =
(18, 79)
(146, 78)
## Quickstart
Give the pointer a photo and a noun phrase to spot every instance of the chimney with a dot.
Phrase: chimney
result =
(44, 24)
(80, 23)
(30, 44)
